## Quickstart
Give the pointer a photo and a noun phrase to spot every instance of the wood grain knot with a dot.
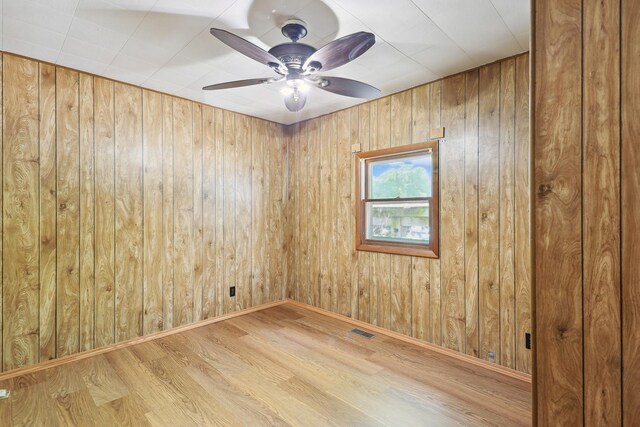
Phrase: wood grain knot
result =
(63, 206)
(562, 331)
(544, 190)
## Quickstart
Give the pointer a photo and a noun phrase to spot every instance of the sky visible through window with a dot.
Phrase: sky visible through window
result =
(406, 177)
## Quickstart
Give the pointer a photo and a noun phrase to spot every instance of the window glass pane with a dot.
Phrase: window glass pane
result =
(402, 177)
(406, 222)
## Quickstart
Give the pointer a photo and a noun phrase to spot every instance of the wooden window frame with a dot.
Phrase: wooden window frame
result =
(399, 248)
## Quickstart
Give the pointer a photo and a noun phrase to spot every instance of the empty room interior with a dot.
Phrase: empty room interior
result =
(319, 213)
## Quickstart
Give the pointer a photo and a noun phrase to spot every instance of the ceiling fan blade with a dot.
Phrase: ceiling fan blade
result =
(239, 83)
(295, 101)
(339, 52)
(249, 49)
(346, 87)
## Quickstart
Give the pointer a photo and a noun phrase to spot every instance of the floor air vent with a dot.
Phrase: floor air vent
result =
(363, 333)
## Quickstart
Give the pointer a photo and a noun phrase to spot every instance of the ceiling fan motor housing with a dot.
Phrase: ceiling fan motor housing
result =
(293, 55)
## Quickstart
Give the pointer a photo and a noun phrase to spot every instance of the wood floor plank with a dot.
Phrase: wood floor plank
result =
(281, 366)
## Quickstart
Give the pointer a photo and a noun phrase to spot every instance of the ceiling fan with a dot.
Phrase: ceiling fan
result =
(297, 64)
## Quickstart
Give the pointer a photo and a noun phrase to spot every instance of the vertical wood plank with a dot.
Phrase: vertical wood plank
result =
(289, 225)
(183, 238)
(471, 147)
(303, 276)
(221, 289)
(346, 268)
(259, 203)
(420, 267)
(105, 211)
(364, 258)
(275, 213)
(327, 216)
(153, 219)
(167, 212)
(601, 213)
(382, 267)
(243, 212)
(1, 205)
(313, 210)
(129, 213)
(269, 176)
(229, 221)
(198, 248)
(47, 211)
(87, 214)
(451, 167)
(522, 215)
(400, 296)
(506, 220)
(557, 107)
(68, 216)
(292, 208)
(630, 207)
(20, 217)
(489, 194)
(435, 99)
(209, 210)
(352, 309)
(297, 149)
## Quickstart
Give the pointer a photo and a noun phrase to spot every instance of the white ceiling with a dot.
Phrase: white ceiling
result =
(166, 45)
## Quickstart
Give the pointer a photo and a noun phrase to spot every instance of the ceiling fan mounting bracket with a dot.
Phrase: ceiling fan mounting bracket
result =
(294, 29)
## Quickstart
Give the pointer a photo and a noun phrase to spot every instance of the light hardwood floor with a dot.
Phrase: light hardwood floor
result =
(282, 366)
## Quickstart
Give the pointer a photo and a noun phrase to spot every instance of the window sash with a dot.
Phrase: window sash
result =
(395, 242)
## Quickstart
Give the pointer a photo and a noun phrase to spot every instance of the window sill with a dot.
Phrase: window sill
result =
(397, 250)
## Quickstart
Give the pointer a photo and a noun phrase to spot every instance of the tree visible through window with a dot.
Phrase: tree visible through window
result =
(398, 200)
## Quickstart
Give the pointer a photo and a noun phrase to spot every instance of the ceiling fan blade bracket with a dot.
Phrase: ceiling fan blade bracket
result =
(278, 68)
(314, 67)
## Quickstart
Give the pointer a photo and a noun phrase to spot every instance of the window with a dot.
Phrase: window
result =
(397, 200)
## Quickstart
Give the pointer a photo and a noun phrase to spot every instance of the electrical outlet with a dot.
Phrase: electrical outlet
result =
(232, 291)
(527, 340)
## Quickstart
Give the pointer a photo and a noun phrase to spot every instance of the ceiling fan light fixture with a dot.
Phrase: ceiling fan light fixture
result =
(297, 63)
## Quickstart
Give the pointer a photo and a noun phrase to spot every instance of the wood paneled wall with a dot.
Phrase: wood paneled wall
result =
(126, 211)
(474, 299)
(587, 202)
